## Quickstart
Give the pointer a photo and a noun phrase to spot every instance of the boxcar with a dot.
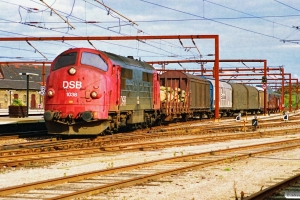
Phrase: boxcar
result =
(183, 96)
(273, 103)
(225, 101)
(261, 99)
(279, 103)
(253, 99)
(244, 98)
(239, 97)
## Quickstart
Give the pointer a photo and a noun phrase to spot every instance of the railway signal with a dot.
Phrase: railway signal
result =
(238, 118)
(285, 116)
(254, 122)
(264, 79)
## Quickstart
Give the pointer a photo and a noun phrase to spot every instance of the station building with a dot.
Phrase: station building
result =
(14, 86)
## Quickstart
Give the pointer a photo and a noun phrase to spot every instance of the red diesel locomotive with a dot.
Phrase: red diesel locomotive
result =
(90, 92)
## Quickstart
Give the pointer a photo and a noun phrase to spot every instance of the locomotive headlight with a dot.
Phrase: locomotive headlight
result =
(50, 93)
(72, 71)
(94, 94)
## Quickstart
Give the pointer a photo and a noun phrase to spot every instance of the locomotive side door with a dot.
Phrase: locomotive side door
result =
(115, 89)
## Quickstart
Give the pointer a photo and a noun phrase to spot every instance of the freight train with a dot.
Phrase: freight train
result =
(91, 92)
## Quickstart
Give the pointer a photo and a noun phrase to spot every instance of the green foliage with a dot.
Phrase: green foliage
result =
(286, 101)
(17, 102)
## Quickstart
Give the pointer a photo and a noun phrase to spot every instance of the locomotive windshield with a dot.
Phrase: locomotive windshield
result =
(93, 60)
(65, 60)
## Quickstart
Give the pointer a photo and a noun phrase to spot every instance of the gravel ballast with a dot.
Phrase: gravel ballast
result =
(216, 182)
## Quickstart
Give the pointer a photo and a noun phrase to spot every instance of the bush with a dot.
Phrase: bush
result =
(17, 102)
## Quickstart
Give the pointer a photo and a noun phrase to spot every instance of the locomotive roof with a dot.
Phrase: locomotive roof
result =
(124, 61)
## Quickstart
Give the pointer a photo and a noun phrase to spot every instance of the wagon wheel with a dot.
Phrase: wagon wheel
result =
(145, 124)
(133, 127)
(185, 117)
(221, 114)
(158, 121)
(175, 120)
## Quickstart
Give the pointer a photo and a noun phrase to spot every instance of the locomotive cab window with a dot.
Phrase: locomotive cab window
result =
(93, 60)
(65, 60)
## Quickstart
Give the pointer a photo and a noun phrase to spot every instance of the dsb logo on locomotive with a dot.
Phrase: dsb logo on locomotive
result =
(72, 84)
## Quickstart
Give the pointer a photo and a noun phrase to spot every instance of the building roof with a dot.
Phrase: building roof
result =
(18, 85)
(10, 78)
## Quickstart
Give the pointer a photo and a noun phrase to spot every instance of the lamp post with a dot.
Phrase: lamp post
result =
(27, 90)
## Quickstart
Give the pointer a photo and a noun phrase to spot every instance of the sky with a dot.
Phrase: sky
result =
(267, 30)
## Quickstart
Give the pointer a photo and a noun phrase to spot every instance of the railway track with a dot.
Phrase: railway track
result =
(52, 151)
(286, 189)
(25, 134)
(52, 144)
(223, 125)
(90, 183)
(45, 152)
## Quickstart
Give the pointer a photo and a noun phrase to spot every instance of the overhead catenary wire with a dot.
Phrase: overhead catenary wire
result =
(257, 17)
(137, 29)
(78, 35)
(287, 5)
(116, 12)
(57, 14)
(37, 50)
(112, 31)
(209, 19)
(141, 46)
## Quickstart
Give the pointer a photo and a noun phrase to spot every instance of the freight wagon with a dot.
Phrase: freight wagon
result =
(225, 101)
(186, 96)
(245, 99)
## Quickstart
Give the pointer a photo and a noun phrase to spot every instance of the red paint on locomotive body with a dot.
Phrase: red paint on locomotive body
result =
(83, 84)
(73, 92)
(86, 93)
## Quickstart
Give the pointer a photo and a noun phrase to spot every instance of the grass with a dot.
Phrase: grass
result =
(110, 165)
(227, 169)
(286, 101)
